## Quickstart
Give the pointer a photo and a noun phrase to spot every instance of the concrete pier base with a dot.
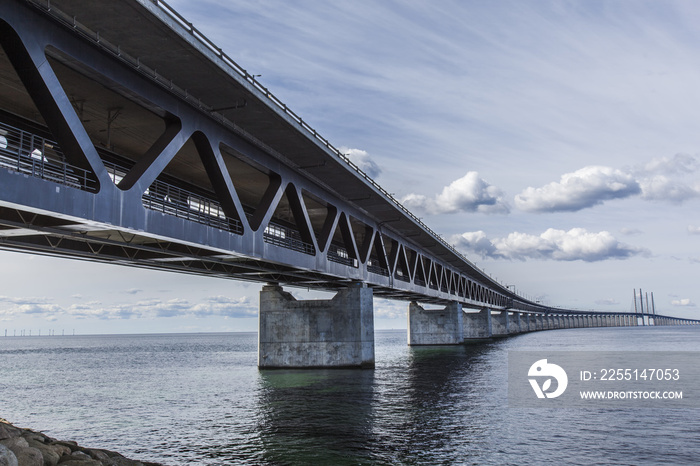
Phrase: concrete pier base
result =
(514, 323)
(499, 324)
(435, 326)
(337, 332)
(476, 325)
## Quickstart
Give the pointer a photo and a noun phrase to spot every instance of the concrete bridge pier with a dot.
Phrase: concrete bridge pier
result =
(477, 325)
(499, 324)
(513, 323)
(435, 326)
(337, 332)
(539, 322)
(549, 322)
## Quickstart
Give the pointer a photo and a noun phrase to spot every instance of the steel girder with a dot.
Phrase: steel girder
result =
(121, 211)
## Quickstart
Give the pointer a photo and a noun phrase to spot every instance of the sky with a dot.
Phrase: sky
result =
(554, 143)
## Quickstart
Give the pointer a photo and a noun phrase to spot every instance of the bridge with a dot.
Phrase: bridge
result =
(127, 136)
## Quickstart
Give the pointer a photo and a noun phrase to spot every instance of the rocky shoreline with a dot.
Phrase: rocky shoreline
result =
(25, 447)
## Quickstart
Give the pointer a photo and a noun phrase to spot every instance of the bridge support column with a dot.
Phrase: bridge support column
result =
(337, 332)
(477, 325)
(435, 326)
(499, 324)
(549, 320)
(514, 323)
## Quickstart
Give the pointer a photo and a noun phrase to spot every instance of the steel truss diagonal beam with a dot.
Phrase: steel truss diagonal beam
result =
(106, 159)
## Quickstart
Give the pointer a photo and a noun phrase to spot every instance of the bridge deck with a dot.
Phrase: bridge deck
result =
(131, 137)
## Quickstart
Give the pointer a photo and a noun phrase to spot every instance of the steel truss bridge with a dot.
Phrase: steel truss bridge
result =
(127, 136)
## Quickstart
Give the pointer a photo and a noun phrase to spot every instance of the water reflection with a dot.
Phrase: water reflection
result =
(419, 406)
(316, 416)
(443, 399)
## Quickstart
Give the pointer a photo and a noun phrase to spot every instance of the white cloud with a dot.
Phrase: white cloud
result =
(661, 179)
(694, 229)
(559, 245)
(151, 308)
(583, 188)
(685, 302)
(362, 160)
(608, 302)
(661, 188)
(388, 309)
(226, 307)
(630, 231)
(470, 193)
(25, 300)
(679, 164)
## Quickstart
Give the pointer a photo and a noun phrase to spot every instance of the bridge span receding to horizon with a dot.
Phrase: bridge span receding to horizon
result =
(127, 136)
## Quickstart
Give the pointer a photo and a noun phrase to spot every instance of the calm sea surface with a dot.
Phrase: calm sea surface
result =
(200, 399)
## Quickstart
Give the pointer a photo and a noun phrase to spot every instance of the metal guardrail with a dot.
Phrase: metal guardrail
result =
(33, 155)
(173, 200)
(179, 202)
(287, 238)
(377, 269)
(340, 255)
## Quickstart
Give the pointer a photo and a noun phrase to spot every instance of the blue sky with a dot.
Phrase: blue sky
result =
(554, 143)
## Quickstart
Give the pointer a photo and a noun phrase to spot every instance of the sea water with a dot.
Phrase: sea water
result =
(199, 399)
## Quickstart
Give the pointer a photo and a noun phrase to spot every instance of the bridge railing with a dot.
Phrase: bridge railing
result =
(36, 156)
(287, 238)
(173, 200)
(340, 255)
